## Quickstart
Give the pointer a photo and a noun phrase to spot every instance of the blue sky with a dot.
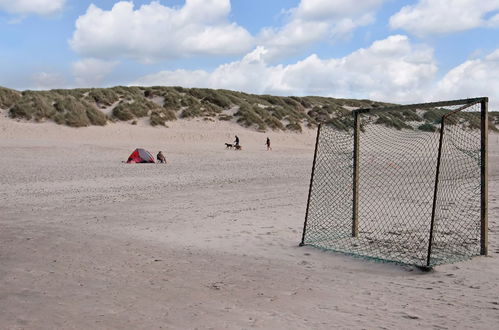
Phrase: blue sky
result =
(386, 50)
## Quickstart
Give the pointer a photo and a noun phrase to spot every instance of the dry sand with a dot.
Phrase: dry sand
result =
(207, 241)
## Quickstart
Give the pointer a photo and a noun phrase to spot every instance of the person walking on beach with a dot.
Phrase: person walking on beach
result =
(268, 144)
(236, 141)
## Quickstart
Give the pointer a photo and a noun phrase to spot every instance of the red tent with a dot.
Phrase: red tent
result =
(140, 155)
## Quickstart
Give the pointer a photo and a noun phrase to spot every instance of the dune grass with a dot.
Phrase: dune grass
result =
(8, 97)
(83, 107)
(77, 113)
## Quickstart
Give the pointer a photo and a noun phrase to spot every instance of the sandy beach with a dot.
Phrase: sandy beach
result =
(207, 241)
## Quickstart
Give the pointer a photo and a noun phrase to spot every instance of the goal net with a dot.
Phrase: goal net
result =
(406, 184)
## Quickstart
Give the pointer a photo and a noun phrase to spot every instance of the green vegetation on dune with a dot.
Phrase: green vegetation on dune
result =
(161, 116)
(85, 107)
(103, 97)
(392, 121)
(34, 105)
(134, 107)
(8, 97)
(210, 96)
(77, 113)
(427, 127)
(61, 106)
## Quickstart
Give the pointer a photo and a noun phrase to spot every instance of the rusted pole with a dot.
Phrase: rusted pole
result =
(435, 191)
(311, 183)
(484, 221)
(355, 183)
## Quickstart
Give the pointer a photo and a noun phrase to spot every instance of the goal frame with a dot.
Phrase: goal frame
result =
(465, 103)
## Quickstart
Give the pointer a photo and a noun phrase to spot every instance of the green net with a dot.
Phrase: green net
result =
(412, 208)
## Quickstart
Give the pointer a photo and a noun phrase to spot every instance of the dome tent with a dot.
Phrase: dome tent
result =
(140, 155)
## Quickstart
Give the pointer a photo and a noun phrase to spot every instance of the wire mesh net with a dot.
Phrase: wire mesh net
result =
(398, 185)
(330, 208)
(456, 233)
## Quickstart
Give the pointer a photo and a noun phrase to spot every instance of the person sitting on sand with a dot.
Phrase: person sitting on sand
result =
(161, 158)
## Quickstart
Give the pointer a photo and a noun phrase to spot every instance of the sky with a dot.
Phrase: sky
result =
(398, 51)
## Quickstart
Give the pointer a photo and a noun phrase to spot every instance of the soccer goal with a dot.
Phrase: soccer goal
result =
(406, 184)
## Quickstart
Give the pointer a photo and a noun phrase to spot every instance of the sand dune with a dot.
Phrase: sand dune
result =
(207, 241)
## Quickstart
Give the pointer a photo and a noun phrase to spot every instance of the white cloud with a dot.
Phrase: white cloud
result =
(47, 80)
(328, 9)
(293, 37)
(249, 74)
(91, 72)
(433, 17)
(201, 27)
(493, 21)
(473, 78)
(154, 31)
(39, 7)
(184, 78)
(390, 70)
(315, 20)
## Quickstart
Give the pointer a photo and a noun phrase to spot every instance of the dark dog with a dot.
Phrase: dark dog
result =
(228, 146)
(238, 147)
(161, 158)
